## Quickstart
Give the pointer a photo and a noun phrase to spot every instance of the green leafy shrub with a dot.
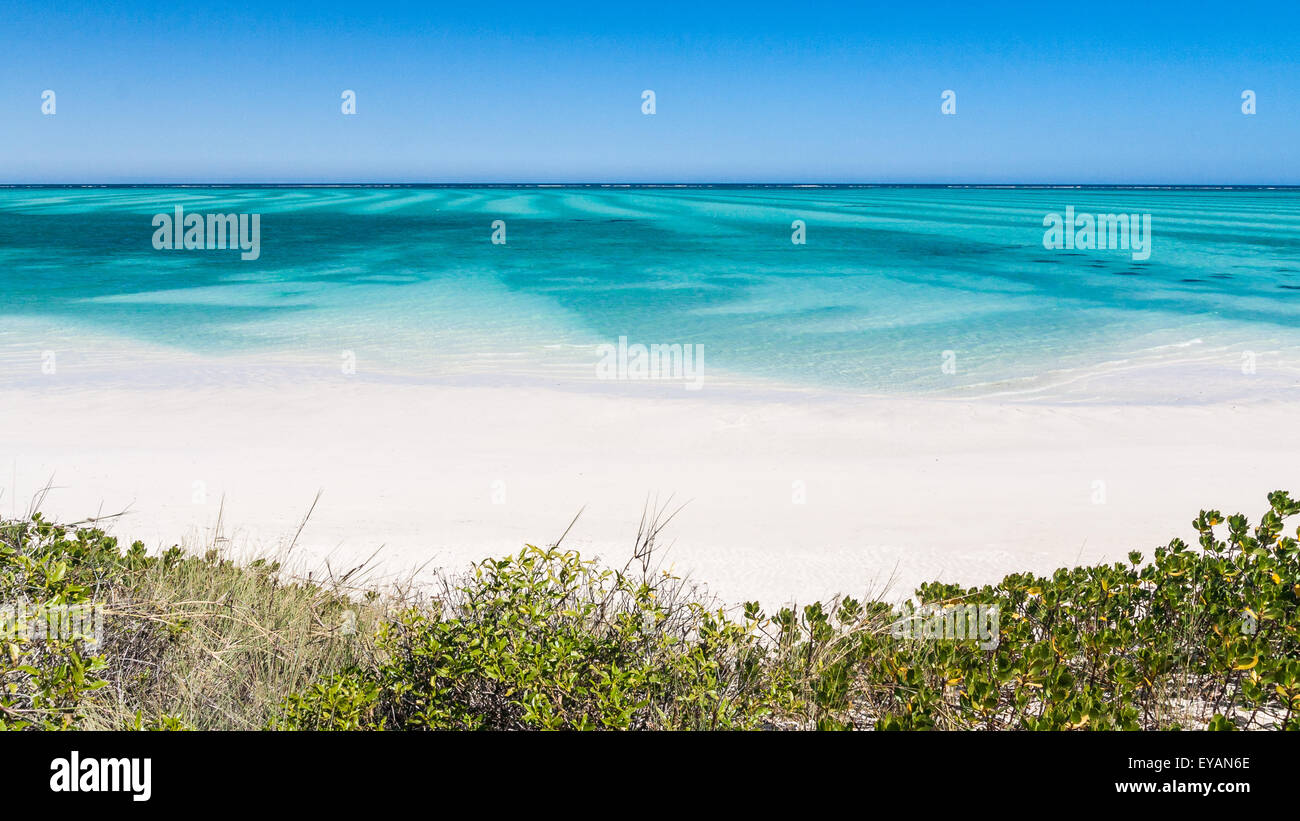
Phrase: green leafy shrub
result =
(1202, 636)
(45, 683)
(188, 641)
(547, 640)
(1194, 638)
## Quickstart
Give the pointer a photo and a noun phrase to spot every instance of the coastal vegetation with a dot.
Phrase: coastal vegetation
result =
(1196, 636)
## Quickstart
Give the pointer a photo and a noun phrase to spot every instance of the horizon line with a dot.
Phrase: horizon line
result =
(575, 184)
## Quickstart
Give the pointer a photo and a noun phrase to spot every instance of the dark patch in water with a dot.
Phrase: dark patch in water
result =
(1290, 287)
(1221, 276)
(1191, 280)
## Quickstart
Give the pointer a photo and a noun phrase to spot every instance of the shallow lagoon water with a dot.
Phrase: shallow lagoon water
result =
(891, 285)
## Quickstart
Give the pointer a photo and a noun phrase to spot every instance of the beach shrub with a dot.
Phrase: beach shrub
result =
(185, 640)
(44, 683)
(1199, 636)
(1192, 638)
(547, 640)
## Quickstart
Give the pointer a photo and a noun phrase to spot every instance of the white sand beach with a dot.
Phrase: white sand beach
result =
(787, 497)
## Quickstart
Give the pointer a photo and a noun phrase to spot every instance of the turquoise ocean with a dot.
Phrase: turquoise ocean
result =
(943, 291)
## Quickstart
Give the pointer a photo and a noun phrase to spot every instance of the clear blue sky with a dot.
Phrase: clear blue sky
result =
(1101, 92)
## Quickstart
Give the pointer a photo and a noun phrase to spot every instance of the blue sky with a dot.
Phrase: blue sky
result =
(1094, 92)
